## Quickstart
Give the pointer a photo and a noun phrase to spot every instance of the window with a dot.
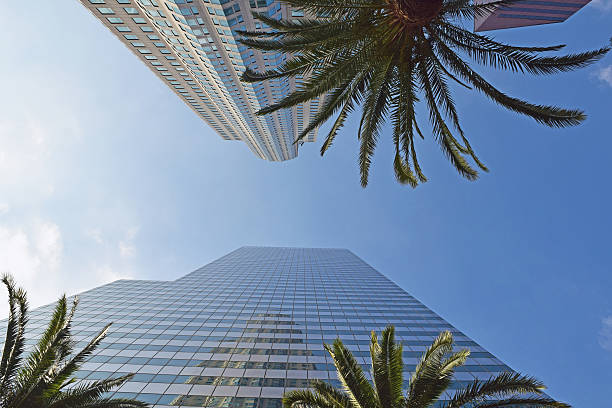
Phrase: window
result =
(131, 10)
(96, 1)
(123, 29)
(105, 10)
(114, 20)
(130, 37)
(139, 20)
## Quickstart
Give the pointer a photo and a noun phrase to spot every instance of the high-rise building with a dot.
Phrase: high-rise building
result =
(523, 13)
(191, 46)
(244, 329)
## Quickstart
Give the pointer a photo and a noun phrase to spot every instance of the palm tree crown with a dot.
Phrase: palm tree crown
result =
(428, 383)
(44, 378)
(387, 55)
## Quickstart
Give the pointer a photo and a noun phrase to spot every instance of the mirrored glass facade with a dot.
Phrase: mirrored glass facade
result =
(244, 329)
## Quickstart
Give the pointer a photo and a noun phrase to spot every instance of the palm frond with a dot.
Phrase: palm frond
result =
(346, 109)
(485, 51)
(59, 378)
(467, 9)
(548, 115)
(342, 97)
(306, 399)
(534, 402)
(451, 148)
(54, 346)
(14, 341)
(350, 374)
(402, 57)
(87, 393)
(429, 379)
(502, 385)
(333, 396)
(331, 9)
(115, 403)
(375, 109)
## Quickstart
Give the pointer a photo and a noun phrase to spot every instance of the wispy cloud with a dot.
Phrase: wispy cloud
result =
(126, 245)
(605, 334)
(605, 74)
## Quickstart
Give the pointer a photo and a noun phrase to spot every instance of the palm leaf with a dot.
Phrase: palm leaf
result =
(306, 398)
(14, 341)
(404, 58)
(350, 374)
(504, 384)
(374, 112)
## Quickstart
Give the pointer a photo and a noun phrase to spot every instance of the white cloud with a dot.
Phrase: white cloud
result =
(605, 334)
(126, 245)
(34, 255)
(605, 74)
(605, 5)
(4, 208)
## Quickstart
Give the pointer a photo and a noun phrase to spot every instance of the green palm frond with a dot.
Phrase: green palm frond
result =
(433, 373)
(408, 52)
(336, 397)
(88, 393)
(331, 9)
(343, 97)
(350, 374)
(387, 368)
(63, 373)
(428, 383)
(503, 385)
(306, 398)
(375, 107)
(534, 402)
(486, 51)
(14, 341)
(54, 346)
(43, 379)
(547, 115)
(468, 9)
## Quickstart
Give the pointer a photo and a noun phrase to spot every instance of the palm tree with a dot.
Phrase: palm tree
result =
(44, 378)
(429, 381)
(387, 55)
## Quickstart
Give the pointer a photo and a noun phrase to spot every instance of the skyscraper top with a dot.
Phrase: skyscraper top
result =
(191, 46)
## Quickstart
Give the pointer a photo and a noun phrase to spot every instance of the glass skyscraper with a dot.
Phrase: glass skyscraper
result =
(244, 329)
(191, 46)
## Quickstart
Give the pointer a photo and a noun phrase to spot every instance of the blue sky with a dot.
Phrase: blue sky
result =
(104, 173)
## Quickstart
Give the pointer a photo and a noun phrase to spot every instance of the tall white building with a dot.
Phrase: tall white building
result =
(191, 45)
